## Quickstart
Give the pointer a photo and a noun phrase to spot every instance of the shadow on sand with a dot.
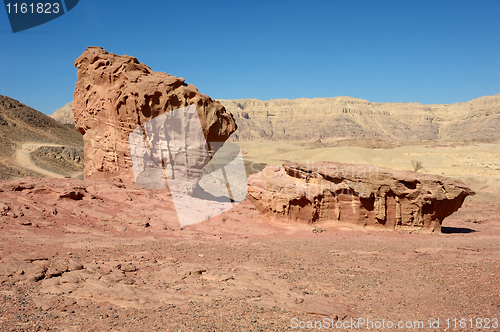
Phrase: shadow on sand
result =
(456, 230)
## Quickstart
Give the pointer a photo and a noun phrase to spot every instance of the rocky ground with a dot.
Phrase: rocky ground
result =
(89, 256)
(64, 160)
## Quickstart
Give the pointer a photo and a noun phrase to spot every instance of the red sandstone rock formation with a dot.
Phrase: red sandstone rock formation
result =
(116, 94)
(356, 194)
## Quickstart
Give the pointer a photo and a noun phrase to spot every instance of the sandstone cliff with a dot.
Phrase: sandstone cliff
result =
(357, 194)
(346, 117)
(115, 95)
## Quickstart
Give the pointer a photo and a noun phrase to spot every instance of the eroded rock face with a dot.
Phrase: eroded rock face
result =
(114, 95)
(355, 118)
(356, 194)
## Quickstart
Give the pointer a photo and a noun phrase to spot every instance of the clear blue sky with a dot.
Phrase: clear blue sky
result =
(382, 51)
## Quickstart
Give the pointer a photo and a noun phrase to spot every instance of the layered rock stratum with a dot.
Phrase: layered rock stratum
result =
(355, 118)
(115, 95)
(356, 194)
(347, 117)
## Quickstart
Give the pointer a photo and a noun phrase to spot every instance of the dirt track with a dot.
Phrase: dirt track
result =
(22, 159)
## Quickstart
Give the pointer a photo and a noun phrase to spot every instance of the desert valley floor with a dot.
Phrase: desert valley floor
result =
(99, 263)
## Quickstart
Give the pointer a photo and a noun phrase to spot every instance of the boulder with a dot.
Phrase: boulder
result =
(117, 95)
(355, 194)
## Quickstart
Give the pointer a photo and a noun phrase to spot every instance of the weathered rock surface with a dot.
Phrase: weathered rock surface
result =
(114, 95)
(356, 194)
(355, 118)
(45, 202)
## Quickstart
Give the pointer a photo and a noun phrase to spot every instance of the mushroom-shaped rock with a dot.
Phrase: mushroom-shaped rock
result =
(357, 194)
(115, 95)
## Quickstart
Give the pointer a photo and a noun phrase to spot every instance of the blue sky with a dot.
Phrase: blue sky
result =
(382, 51)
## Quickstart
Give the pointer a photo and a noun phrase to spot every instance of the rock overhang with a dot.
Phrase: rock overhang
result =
(364, 195)
(115, 94)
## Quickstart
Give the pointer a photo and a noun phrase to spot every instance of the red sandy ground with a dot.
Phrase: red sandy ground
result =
(87, 256)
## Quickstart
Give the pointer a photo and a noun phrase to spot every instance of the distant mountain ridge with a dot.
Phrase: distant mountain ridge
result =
(64, 114)
(354, 118)
(347, 117)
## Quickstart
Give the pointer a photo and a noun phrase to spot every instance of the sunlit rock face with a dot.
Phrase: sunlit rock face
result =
(115, 95)
(355, 194)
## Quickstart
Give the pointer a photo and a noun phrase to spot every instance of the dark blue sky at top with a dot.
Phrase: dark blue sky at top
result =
(381, 51)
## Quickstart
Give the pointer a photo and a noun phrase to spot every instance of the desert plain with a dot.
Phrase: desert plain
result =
(239, 271)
